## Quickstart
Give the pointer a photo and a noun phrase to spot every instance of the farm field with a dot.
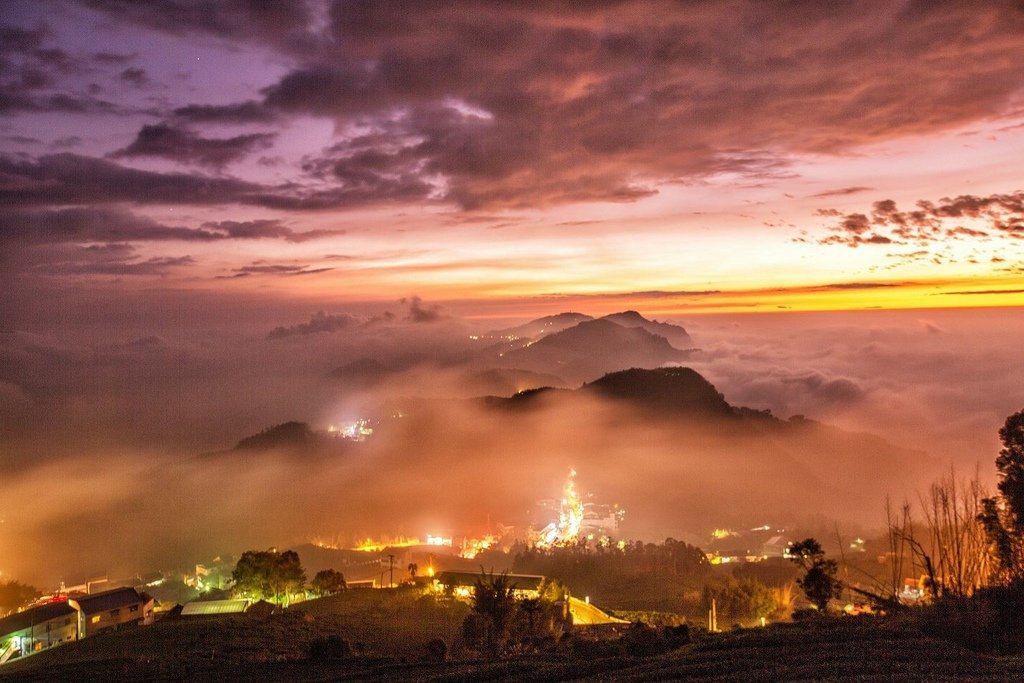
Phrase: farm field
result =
(389, 632)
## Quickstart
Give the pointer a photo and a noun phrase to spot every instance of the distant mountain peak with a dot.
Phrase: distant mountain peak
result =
(676, 335)
(672, 389)
(593, 348)
(626, 314)
(549, 324)
(291, 434)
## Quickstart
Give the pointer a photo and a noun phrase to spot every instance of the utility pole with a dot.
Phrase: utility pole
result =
(391, 567)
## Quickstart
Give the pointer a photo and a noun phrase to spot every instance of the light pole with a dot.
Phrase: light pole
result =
(391, 567)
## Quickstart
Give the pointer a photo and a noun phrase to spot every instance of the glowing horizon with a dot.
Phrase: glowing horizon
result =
(334, 159)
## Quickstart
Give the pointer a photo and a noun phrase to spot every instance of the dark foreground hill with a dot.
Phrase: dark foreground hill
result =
(388, 632)
(664, 390)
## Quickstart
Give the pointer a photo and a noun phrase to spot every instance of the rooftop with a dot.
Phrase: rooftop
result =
(204, 608)
(108, 600)
(523, 582)
(34, 615)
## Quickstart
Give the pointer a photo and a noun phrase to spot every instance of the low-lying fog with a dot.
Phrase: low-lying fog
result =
(107, 437)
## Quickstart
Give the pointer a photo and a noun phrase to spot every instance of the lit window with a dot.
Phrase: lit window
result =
(133, 608)
(95, 619)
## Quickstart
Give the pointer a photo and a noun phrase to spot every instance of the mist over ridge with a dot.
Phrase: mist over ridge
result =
(455, 460)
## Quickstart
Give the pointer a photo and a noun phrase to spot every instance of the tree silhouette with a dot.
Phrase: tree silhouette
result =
(1003, 517)
(819, 582)
(328, 582)
(269, 575)
(14, 594)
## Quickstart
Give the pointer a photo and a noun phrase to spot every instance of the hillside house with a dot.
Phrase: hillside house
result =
(37, 628)
(111, 610)
(463, 584)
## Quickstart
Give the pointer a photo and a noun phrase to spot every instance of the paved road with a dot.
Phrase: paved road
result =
(585, 614)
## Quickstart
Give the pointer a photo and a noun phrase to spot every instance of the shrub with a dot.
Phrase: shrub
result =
(676, 636)
(436, 650)
(640, 640)
(329, 647)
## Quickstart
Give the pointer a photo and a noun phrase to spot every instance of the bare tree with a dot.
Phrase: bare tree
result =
(950, 546)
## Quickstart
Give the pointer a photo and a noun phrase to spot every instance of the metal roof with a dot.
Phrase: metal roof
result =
(34, 615)
(212, 607)
(108, 600)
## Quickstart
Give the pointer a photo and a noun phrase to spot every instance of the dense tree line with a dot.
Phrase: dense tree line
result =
(14, 594)
(269, 575)
(1003, 515)
(500, 622)
(637, 576)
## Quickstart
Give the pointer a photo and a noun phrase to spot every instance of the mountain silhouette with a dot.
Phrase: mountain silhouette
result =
(539, 327)
(675, 334)
(593, 348)
(287, 435)
(666, 390)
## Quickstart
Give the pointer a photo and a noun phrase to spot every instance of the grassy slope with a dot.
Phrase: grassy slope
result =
(396, 627)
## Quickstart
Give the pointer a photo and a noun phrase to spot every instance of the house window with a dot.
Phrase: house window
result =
(133, 608)
(95, 619)
(114, 612)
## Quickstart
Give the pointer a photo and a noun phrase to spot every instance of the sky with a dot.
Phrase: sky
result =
(509, 160)
(207, 207)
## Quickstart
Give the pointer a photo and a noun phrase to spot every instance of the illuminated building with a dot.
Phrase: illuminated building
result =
(37, 628)
(463, 584)
(62, 619)
(112, 610)
(577, 520)
(754, 545)
(356, 430)
(471, 547)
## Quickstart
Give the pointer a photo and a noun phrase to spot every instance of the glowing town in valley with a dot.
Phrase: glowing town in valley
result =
(565, 521)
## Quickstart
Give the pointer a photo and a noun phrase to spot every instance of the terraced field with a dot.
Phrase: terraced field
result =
(390, 633)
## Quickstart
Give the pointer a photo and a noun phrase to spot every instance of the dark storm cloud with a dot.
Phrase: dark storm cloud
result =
(511, 105)
(90, 225)
(66, 142)
(985, 291)
(181, 144)
(267, 229)
(1001, 214)
(250, 111)
(420, 313)
(284, 24)
(861, 285)
(30, 71)
(22, 50)
(153, 266)
(24, 228)
(278, 269)
(843, 191)
(75, 179)
(321, 322)
(13, 102)
(517, 105)
(113, 57)
(135, 76)
(115, 259)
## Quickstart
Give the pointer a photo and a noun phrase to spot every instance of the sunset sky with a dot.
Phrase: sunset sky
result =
(211, 210)
(504, 160)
